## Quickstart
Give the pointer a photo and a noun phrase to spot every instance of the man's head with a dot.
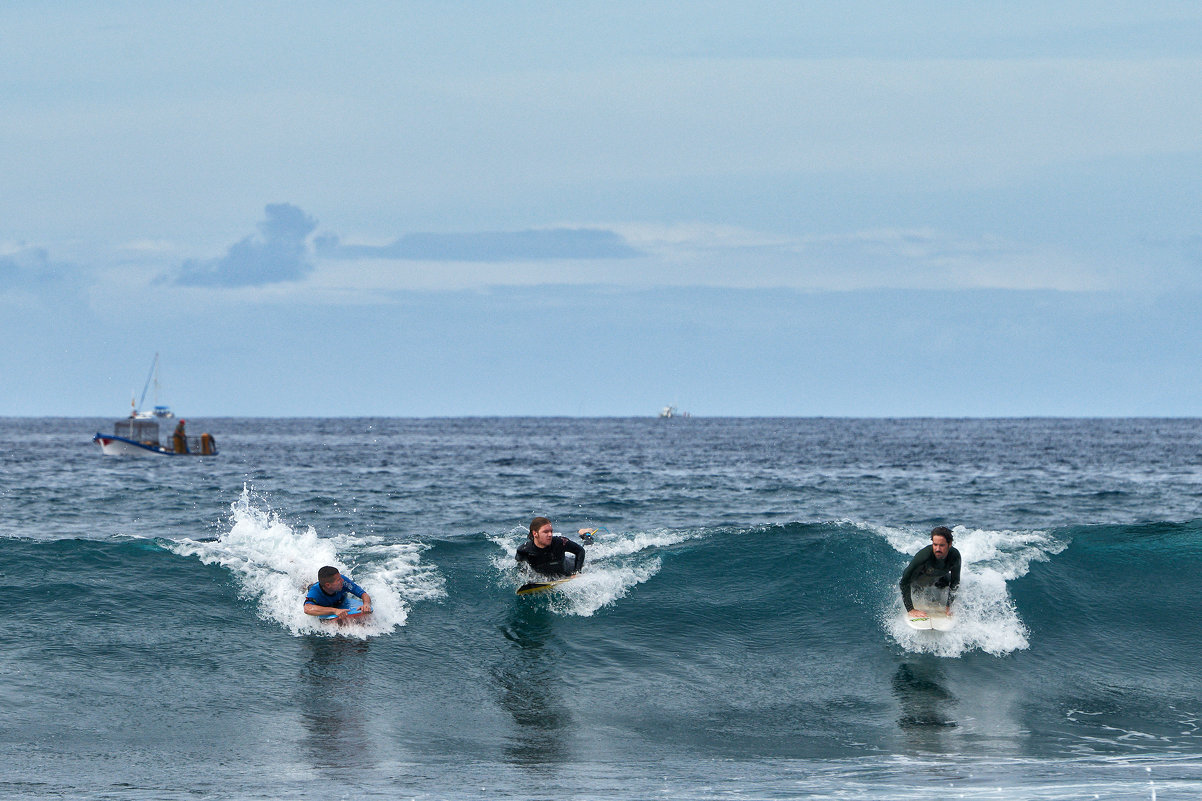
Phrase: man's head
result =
(541, 531)
(941, 541)
(330, 580)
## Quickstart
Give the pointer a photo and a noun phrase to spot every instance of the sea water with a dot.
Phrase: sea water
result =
(736, 632)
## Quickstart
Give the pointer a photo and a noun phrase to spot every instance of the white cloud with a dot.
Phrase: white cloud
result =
(873, 259)
(149, 247)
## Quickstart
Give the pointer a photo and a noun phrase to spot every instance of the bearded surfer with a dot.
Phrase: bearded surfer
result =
(937, 565)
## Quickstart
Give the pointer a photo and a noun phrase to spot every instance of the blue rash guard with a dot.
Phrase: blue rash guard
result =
(338, 599)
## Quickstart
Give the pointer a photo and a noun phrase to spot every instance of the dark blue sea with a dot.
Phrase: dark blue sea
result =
(737, 632)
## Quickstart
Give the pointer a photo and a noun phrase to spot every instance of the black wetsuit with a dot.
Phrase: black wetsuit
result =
(550, 560)
(925, 570)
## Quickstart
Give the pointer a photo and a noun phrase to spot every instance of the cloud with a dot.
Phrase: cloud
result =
(489, 246)
(29, 268)
(278, 254)
(902, 258)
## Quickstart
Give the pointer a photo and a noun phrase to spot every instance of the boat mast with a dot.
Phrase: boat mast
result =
(154, 373)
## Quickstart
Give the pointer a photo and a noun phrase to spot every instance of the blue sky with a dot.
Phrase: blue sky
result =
(407, 208)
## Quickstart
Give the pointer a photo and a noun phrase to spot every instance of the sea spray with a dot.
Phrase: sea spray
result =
(613, 566)
(274, 563)
(986, 618)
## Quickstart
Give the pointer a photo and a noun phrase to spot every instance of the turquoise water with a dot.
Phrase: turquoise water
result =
(736, 633)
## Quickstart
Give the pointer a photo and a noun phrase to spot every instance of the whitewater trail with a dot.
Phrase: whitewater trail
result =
(274, 563)
(613, 566)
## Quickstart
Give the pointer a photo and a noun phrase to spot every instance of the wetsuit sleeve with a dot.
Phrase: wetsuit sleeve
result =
(577, 549)
(521, 555)
(309, 599)
(955, 577)
(915, 563)
(352, 587)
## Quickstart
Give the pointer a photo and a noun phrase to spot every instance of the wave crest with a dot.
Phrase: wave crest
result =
(986, 615)
(274, 563)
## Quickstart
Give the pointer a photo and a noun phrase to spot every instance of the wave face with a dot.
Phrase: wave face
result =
(726, 638)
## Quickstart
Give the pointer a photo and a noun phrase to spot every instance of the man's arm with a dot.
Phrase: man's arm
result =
(577, 549)
(908, 574)
(954, 583)
(316, 610)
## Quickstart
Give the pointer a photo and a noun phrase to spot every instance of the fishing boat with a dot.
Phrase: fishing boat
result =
(138, 434)
(135, 436)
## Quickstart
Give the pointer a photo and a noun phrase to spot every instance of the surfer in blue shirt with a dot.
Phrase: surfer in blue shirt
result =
(548, 554)
(328, 595)
(937, 565)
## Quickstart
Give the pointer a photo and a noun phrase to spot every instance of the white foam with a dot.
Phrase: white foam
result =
(986, 618)
(275, 563)
(614, 564)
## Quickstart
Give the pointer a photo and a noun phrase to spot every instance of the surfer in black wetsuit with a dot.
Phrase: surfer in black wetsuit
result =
(548, 554)
(937, 565)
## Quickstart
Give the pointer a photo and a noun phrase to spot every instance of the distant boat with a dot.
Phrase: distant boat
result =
(159, 411)
(667, 411)
(138, 434)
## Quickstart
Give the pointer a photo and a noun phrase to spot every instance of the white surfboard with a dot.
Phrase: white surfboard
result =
(935, 619)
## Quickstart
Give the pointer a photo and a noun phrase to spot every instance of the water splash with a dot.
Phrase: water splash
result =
(275, 563)
(613, 567)
(987, 619)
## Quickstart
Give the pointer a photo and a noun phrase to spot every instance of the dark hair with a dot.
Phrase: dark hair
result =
(326, 574)
(942, 531)
(536, 524)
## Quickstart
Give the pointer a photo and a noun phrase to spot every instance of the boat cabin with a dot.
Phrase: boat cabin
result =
(138, 429)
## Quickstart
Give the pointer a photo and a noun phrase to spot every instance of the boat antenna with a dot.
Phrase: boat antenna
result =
(154, 365)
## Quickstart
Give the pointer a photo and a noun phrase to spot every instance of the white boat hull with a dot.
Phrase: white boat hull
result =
(119, 446)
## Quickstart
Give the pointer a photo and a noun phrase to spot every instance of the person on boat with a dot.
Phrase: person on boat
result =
(936, 565)
(550, 555)
(179, 439)
(328, 595)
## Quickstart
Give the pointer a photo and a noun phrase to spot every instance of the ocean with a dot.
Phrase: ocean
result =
(737, 632)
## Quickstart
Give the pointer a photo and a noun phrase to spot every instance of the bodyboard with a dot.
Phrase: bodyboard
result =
(542, 586)
(355, 605)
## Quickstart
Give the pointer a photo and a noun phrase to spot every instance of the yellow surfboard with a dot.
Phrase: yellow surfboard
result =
(542, 586)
